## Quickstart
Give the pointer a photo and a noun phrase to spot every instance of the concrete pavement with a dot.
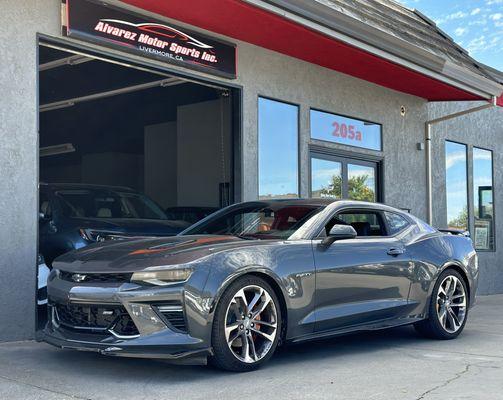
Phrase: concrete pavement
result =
(387, 365)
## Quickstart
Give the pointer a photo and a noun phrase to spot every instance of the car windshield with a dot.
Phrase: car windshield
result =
(256, 221)
(103, 203)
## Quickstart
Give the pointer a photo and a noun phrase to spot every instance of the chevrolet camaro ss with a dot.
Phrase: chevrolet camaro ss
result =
(255, 275)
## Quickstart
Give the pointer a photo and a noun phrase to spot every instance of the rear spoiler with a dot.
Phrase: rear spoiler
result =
(456, 232)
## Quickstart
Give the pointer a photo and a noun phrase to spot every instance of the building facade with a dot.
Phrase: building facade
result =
(300, 128)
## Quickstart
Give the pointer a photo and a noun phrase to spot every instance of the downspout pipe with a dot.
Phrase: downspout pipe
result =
(428, 128)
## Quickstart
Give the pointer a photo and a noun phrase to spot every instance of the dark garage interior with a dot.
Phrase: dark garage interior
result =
(125, 151)
(171, 141)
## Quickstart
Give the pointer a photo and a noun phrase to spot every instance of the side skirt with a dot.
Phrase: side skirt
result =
(374, 326)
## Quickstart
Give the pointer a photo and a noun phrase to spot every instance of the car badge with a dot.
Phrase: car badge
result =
(79, 277)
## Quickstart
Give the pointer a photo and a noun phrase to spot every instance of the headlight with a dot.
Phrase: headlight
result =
(102, 236)
(162, 277)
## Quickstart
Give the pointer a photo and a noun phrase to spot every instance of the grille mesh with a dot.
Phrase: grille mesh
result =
(96, 278)
(96, 318)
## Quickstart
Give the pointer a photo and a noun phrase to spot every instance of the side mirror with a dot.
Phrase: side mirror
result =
(339, 232)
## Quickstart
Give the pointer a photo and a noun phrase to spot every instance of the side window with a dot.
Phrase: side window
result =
(365, 223)
(396, 223)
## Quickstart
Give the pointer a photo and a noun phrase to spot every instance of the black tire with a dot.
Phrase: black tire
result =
(432, 327)
(223, 357)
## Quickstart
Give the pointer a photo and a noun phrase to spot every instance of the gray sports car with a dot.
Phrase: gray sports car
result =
(249, 277)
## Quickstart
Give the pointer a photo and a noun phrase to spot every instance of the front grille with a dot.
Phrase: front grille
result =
(95, 278)
(173, 314)
(96, 318)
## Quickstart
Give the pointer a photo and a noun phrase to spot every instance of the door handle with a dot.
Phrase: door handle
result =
(396, 251)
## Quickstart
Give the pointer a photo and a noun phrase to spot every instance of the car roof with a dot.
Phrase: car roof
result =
(56, 186)
(335, 203)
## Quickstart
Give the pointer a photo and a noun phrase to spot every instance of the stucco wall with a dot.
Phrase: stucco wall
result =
(261, 72)
(19, 23)
(483, 129)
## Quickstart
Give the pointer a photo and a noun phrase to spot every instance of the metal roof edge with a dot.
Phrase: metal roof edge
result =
(328, 21)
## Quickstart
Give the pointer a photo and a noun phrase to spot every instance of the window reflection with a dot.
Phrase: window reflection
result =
(345, 130)
(456, 185)
(361, 182)
(278, 149)
(326, 178)
(483, 199)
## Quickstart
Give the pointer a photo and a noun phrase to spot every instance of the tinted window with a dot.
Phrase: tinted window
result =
(361, 183)
(344, 130)
(483, 199)
(107, 204)
(256, 221)
(365, 223)
(326, 178)
(456, 185)
(396, 223)
(278, 130)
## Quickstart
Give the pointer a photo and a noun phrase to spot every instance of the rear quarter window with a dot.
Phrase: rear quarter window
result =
(396, 223)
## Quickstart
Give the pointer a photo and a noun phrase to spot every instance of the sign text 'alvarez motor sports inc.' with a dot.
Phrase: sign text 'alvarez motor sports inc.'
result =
(121, 29)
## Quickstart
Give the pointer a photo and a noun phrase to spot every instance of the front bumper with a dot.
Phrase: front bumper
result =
(156, 335)
(161, 346)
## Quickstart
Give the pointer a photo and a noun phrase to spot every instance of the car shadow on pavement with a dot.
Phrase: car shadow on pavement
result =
(92, 365)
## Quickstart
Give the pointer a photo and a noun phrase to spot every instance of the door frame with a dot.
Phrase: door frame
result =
(345, 158)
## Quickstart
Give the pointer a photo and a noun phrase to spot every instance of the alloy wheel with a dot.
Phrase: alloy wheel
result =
(451, 304)
(251, 324)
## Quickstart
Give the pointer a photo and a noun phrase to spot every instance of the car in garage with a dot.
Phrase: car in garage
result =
(251, 276)
(189, 214)
(74, 215)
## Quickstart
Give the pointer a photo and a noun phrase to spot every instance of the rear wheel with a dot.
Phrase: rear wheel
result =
(448, 309)
(246, 326)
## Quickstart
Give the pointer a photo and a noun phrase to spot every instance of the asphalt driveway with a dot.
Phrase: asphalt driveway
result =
(396, 364)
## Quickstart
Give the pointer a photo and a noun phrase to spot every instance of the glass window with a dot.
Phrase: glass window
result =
(259, 220)
(278, 129)
(326, 178)
(456, 185)
(483, 199)
(365, 223)
(344, 130)
(101, 203)
(361, 182)
(396, 223)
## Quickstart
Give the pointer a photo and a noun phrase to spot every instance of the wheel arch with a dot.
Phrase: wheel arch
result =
(458, 268)
(270, 278)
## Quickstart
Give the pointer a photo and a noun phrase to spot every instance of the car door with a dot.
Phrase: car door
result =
(361, 280)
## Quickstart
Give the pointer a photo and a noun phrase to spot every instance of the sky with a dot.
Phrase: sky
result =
(477, 25)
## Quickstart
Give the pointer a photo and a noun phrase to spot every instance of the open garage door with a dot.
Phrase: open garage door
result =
(127, 151)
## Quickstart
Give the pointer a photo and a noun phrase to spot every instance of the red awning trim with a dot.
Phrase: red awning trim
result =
(242, 21)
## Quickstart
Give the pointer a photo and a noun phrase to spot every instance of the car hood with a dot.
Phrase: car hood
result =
(137, 254)
(133, 227)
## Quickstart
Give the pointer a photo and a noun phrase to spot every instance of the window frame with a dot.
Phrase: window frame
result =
(472, 218)
(350, 117)
(344, 159)
(321, 234)
(298, 138)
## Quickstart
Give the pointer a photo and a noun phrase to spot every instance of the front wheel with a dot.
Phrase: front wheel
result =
(246, 326)
(448, 308)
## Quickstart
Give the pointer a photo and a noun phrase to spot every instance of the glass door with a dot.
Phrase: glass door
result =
(344, 178)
